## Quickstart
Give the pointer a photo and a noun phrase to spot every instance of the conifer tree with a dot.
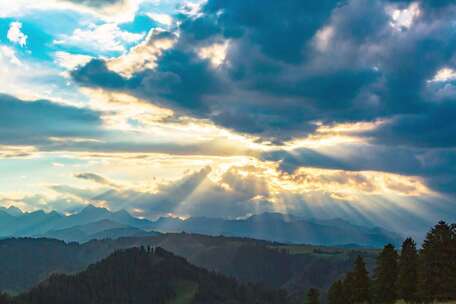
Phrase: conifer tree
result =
(336, 294)
(408, 271)
(5, 299)
(313, 296)
(385, 276)
(437, 264)
(358, 283)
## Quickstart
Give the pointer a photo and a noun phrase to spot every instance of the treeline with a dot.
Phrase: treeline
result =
(415, 276)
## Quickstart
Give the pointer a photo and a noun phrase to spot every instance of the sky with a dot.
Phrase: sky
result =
(222, 108)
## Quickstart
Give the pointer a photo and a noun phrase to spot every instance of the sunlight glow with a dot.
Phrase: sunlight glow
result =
(215, 53)
(404, 19)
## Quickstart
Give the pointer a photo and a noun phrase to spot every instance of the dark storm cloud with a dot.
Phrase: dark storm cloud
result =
(49, 126)
(435, 128)
(276, 81)
(33, 123)
(279, 29)
(293, 63)
(97, 74)
(436, 166)
(184, 81)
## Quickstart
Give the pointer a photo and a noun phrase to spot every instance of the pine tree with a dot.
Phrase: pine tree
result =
(5, 299)
(336, 294)
(408, 271)
(437, 264)
(385, 276)
(313, 296)
(348, 287)
(357, 283)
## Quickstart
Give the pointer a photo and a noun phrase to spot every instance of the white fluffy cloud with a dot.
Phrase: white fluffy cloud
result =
(70, 61)
(16, 35)
(115, 11)
(105, 38)
(164, 19)
(9, 55)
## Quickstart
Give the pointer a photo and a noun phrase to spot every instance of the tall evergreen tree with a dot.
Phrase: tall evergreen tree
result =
(348, 287)
(437, 264)
(385, 276)
(357, 285)
(336, 294)
(313, 296)
(408, 271)
(5, 299)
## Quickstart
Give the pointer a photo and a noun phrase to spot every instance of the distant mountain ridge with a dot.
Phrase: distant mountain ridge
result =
(12, 210)
(97, 223)
(283, 228)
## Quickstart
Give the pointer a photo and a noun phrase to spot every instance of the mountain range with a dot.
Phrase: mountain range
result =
(100, 223)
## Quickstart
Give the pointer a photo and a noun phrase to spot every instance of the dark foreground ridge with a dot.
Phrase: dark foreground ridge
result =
(145, 275)
(291, 267)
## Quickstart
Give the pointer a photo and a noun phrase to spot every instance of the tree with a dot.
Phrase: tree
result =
(4, 299)
(336, 294)
(356, 283)
(437, 264)
(385, 276)
(313, 296)
(408, 271)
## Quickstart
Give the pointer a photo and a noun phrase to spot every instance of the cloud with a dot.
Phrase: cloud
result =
(70, 61)
(96, 178)
(436, 167)
(34, 122)
(331, 96)
(240, 190)
(194, 194)
(97, 3)
(11, 152)
(115, 125)
(10, 55)
(327, 64)
(111, 11)
(16, 35)
(164, 19)
(33, 202)
(434, 128)
(230, 63)
(144, 55)
(107, 37)
(365, 197)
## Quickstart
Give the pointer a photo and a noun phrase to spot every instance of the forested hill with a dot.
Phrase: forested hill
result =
(293, 267)
(145, 275)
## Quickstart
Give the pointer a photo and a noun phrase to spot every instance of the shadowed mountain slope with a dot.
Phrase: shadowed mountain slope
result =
(140, 276)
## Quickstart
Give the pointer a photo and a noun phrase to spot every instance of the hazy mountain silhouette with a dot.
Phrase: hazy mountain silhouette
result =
(283, 228)
(103, 229)
(12, 210)
(267, 226)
